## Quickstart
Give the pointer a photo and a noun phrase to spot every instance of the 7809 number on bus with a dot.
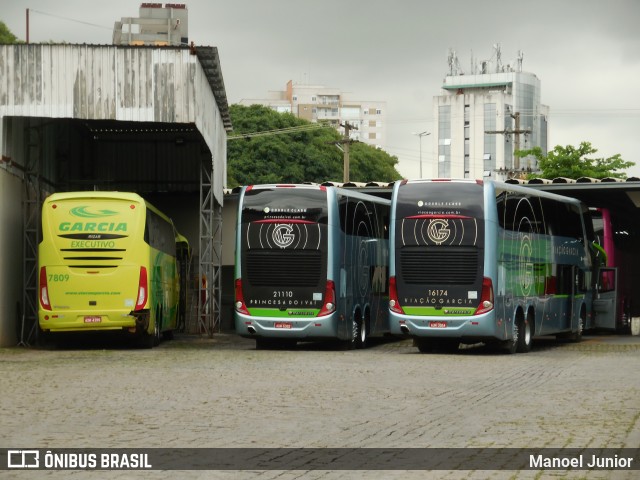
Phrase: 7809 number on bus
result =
(55, 277)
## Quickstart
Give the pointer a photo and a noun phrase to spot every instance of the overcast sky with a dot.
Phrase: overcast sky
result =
(586, 54)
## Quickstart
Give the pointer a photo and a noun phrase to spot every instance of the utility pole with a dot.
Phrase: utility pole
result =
(346, 141)
(516, 141)
(420, 135)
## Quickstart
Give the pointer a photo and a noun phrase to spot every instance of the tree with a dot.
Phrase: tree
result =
(306, 155)
(572, 162)
(6, 36)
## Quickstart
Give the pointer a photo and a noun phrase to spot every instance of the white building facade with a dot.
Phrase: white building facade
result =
(317, 103)
(482, 119)
(158, 25)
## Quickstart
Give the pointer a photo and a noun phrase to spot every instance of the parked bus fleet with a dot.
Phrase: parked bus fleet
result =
(444, 262)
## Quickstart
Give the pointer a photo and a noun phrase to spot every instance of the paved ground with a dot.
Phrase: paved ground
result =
(221, 392)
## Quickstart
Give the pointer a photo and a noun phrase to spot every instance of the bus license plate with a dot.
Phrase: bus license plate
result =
(438, 324)
(92, 319)
(283, 325)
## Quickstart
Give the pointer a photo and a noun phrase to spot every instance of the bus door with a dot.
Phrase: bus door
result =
(567, 287)
(605, 303)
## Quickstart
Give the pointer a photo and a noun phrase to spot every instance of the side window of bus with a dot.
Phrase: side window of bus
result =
(159, 233)
(564, 280)
(565, 220)
(607, 281)
(357, 218)
(520, 213)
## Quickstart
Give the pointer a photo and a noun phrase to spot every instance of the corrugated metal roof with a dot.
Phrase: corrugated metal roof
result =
(106, 77)
(127, 95)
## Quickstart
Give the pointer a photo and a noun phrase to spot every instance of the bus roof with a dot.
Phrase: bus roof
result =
(96, 194)
(360, 193)
(497, 185)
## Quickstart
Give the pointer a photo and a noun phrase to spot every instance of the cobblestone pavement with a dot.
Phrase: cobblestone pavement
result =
(221, 392)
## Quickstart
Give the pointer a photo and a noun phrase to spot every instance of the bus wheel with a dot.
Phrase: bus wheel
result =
(577, 335)
(157, 327)
(424, 345)
(511, 345)
(448, 345)
(43, 337)
(275, 343)
(525, 335)
(168, 335)
(358, 332)
(145, 339)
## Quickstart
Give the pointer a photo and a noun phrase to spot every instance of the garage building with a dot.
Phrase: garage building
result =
(151, 120)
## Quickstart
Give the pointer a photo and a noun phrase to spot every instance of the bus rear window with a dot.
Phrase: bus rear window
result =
(439, 214)
(440, 199)
(302, 204)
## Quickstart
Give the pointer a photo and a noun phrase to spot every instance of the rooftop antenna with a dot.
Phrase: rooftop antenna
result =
(496, 46)
(454, 65)
(519, 61)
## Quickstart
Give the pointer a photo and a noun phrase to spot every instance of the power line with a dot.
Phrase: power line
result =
(280, 131)
(69, 19)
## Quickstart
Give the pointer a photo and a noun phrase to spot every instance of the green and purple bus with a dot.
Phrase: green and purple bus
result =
(311, 263)
(473, 261)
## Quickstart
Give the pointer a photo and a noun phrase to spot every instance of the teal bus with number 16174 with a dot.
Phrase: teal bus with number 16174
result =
(473, 261)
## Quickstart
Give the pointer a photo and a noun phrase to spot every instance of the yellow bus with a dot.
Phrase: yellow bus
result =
(107, 262)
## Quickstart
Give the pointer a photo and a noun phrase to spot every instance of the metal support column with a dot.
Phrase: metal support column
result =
(210, 259)
(217, 258)
(31, 206)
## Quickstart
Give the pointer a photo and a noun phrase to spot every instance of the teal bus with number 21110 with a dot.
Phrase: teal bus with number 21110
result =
(311, 264)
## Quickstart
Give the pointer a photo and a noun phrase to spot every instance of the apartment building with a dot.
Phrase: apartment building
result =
(318, 103)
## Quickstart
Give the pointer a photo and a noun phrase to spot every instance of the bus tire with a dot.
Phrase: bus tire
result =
(275, 343)
(448, 345)
(576, 336)
(43, 337)
(525, 334)
(168, 335)
(359, 334)
(157, 327)
(425, 345)
(147, 340)
(623, 322)
(144, 338)
(511, 346)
